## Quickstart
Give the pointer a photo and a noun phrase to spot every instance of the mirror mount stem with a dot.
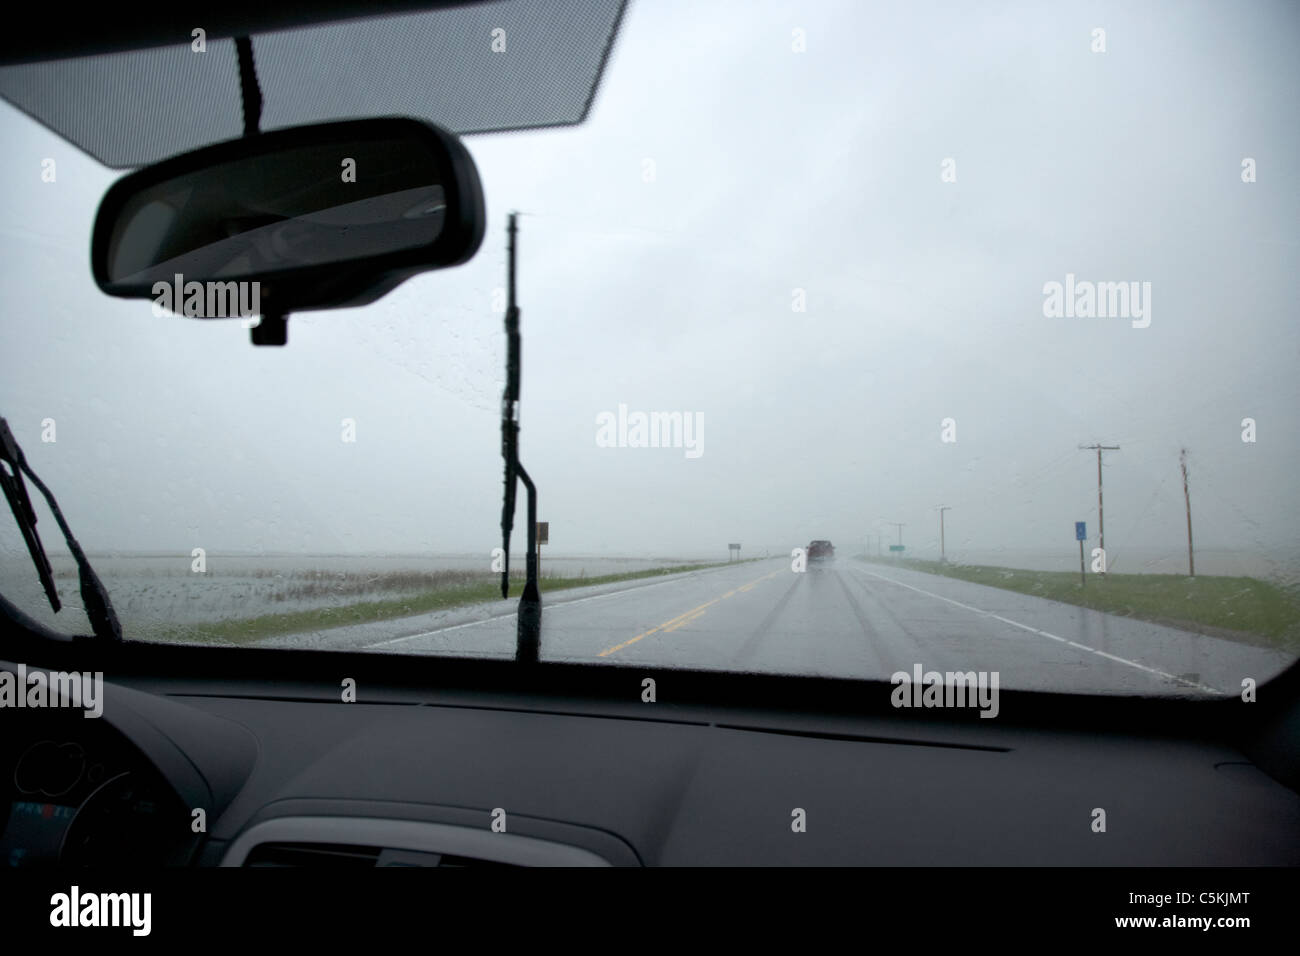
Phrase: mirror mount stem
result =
(273, 329)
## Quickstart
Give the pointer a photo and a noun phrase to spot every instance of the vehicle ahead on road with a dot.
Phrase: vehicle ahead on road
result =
(820, 552)
(905, 718)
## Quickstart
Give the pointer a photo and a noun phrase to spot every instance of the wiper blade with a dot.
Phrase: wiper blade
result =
(24, 513)
(94, 597)
(510, 415)
(528, 637)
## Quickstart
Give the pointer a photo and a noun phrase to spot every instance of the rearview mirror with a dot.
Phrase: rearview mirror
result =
(314, 217)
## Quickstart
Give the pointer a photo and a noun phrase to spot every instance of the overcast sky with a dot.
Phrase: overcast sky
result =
(774, 170)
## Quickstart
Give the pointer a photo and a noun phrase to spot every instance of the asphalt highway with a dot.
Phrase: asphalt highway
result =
(845, 619)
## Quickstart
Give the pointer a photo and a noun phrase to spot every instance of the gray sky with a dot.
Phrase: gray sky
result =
(774, 171)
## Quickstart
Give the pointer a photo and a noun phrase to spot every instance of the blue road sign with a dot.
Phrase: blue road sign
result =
(1080, 531)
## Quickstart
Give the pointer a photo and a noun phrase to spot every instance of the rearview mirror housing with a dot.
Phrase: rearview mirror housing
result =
(314, 217)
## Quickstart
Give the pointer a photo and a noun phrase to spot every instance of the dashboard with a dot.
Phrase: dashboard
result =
(79, 794)
(269, 773)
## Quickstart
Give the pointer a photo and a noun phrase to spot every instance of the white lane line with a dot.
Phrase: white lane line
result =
(1064, 640)
(441, 630)
(548, 607)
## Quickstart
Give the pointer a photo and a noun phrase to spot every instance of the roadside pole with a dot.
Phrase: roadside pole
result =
(943, 551)
(1101, 514)
(1187, 498)
(1081, 533)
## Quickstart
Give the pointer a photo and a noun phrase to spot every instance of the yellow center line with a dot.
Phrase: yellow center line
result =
(682, 622)
(685, 618)
(665, 626)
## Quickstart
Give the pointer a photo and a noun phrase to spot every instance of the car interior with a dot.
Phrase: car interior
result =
(216, 755)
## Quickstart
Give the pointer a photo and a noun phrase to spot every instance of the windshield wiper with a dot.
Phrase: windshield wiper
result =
(528, 635)
(94, 597)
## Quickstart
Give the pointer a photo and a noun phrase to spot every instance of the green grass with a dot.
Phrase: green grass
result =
(1238, 608)
(488, 588)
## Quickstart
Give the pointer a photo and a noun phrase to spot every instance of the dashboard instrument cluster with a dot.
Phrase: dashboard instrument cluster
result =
(75, 793)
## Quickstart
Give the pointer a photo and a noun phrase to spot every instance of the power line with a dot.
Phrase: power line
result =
(1142, 515)
(1207, 482)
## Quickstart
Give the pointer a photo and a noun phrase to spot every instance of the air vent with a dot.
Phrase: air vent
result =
(320, 855)
(331, 856)
(339, 842)
(464, 861)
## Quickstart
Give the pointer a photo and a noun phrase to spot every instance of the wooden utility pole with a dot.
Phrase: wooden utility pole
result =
(1101, 521)
(943, 552)
(1187, 498)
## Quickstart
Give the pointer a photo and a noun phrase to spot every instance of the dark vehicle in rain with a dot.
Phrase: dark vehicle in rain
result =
(821, 552)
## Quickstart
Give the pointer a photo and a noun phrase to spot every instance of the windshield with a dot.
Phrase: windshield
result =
(857, 340)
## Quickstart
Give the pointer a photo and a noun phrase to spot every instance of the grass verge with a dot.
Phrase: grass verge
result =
(1246, 610)
(488, 589)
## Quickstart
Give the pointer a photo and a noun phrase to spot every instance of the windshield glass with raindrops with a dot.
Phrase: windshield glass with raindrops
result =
(866, 341)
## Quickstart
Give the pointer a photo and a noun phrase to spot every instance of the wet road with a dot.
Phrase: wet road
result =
(848, 619)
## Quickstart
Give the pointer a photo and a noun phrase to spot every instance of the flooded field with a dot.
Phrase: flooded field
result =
(153, 590)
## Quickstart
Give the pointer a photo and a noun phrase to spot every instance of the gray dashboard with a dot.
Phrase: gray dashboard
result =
(592, 784)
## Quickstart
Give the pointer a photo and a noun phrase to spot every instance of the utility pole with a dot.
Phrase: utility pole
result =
(943, 553)
(1101, 521)
(1191, 560)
